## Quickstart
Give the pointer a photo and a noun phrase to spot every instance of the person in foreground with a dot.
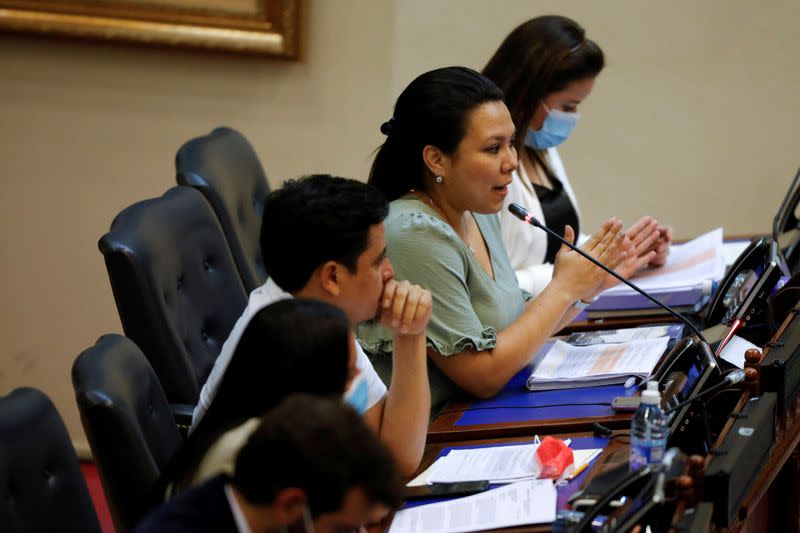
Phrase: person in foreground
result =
(323, 238)
(294, 345)
(546, 67)
(446, 165)
(312, 464)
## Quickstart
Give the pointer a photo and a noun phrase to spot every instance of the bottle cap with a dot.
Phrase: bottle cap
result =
(651, 395)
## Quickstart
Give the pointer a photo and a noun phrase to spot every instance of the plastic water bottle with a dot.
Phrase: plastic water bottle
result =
(649, 430)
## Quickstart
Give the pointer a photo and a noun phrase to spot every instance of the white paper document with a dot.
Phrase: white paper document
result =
(734, 350)
(610, 336)
(497, 464)
(732, 250)
(599, 364)
(693, 264)
(525, 502)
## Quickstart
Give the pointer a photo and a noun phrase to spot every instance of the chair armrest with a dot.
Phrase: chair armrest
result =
(182, 413)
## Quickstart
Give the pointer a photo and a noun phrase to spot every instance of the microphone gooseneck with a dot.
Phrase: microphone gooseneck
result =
(666, 463)
(734, 376)
(522, 214)
(731, 378)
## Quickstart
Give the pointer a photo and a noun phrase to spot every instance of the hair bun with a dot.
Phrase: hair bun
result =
(386, 127)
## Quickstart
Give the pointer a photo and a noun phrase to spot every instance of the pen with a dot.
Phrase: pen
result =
(631, 381)
(578, 471)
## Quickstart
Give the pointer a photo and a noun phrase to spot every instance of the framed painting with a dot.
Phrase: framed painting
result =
(263, 27)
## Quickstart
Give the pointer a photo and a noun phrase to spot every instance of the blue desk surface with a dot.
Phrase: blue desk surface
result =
(515, 403)
(563, 491)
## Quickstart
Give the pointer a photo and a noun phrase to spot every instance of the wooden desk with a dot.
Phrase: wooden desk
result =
(613, 453)
(444, 428)
(515, 413)
(595, 324)
(773, 501)
(588, 324)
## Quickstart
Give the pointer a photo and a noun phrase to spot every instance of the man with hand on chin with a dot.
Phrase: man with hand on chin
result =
(322, 237)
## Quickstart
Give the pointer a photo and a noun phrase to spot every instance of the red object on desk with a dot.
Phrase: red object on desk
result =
(553, 456)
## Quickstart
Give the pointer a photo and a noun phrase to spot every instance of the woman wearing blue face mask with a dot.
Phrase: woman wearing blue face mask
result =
(546, 67)
(293, 345)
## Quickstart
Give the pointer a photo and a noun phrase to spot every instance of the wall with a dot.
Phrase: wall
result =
(89, 128)
(691, 121)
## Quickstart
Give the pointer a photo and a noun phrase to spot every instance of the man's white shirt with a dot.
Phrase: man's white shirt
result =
(238, 515)
(260, 298)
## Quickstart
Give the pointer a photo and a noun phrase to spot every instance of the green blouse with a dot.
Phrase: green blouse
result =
(469, 307)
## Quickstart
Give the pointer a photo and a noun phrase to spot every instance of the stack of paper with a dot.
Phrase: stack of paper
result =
(732, 250)
(608, 336)
(594, 365)
(497, 464)
(734, 350)
(525, 502)
(689, 274)
(502, 464)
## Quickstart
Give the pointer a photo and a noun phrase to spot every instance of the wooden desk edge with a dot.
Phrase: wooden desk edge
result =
(454, 433)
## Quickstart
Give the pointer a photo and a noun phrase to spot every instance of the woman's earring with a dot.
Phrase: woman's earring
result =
(438, 179)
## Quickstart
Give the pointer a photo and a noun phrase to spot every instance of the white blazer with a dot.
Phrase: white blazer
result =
(526, 245)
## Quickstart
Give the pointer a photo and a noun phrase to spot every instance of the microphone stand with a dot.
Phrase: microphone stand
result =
(702, 417)
(726, 382)
(522, 214)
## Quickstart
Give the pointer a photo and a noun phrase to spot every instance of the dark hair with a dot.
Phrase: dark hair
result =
(293, 345)
(433, 110)
(315, 219)
(321, 446)
(540, 57)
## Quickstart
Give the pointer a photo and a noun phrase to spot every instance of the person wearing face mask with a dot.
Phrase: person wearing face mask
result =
(546, 67)
(323, 238)
(311, 465)
(293, 345)
(357, 394)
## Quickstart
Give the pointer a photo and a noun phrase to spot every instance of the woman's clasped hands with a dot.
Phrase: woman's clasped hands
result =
(645, 244)
(579, 277)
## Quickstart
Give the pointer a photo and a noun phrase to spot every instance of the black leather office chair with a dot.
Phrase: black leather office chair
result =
(225, 168)
(42, 488)
(128, 423)
(177, 290)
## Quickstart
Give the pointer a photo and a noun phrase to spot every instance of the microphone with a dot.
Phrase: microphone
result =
(731, 378)
(666, 463)
(522, 214)
(658, 497)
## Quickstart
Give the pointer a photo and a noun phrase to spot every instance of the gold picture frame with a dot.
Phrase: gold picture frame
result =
(261, 27)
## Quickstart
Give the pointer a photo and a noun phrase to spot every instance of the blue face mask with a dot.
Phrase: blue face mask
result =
(555, 130)
(357, 395)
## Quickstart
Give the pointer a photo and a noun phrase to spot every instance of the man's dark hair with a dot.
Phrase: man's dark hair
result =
(321, 446)
(315, 219)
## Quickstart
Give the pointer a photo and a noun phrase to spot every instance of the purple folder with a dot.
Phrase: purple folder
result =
(637, 301)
